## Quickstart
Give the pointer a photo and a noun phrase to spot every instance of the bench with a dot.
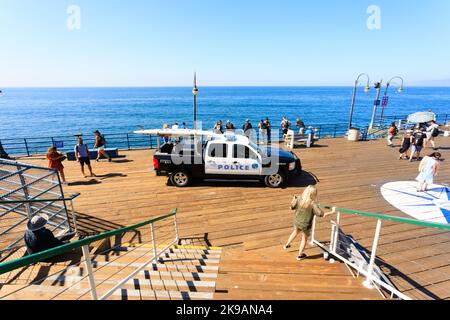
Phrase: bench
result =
(112, 152)
(303, 139)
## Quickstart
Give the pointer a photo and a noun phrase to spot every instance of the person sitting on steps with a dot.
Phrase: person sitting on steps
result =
(37, 237)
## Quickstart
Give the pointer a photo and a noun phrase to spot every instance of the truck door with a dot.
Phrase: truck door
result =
(245, 161)
(216, 158)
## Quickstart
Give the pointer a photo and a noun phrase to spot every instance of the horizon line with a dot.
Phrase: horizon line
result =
(205, 86)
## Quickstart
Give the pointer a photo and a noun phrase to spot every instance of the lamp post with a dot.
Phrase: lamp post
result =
(366, 89)
(386, 97)
(195, 93)
(375, 104)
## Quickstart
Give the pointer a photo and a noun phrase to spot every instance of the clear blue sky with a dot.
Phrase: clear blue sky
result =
(228, 42)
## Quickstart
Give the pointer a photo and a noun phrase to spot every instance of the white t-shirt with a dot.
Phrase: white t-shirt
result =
(83, 150)
(432, 127)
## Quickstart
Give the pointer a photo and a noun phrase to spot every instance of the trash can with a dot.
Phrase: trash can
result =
(353, 134)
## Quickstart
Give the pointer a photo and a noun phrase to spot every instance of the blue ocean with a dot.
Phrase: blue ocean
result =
(46, 112)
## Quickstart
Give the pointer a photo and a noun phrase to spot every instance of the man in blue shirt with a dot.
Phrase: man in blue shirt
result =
(83, 157)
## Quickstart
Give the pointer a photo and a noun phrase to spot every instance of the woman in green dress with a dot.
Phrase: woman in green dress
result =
(305, 208)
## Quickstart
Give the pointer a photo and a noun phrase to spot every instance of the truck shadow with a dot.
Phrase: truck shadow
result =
(304, 180)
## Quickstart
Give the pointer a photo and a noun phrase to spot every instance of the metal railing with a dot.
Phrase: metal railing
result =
(29, 146)
(400, 281)
(84, 245)
(27, 190)
(38, 145)
(440, 118)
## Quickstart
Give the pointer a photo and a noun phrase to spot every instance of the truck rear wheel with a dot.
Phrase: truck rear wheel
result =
(276, 180)
(180, 178)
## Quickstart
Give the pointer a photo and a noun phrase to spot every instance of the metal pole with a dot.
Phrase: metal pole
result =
(368, 283)
(353, 106)
(336, 235)
(176, 228)
(128, 141)
(195, 112)
(195, 93)
(382, 107)
(375, 106)
(26, 147)
(87, 260)
(74, 217)
(26, 193)
(152, 230)
(313, 231)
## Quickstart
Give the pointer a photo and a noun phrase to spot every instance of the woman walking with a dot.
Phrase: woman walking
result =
(392, 132)
(305, 208)
(432, 133)
(428, 169)
(406, 145)
(100, 143)
(55, 160)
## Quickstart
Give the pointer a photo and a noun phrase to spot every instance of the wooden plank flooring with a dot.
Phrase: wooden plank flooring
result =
(251, 221)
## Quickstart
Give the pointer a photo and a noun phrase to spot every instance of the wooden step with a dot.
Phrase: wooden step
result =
(137, 282)
(160, 266)
(167, 254)
(36, 292)
(171, 250)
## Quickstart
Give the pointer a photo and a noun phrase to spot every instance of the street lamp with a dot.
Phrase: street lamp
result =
(366, 90)
(386, 97)
(195, 93)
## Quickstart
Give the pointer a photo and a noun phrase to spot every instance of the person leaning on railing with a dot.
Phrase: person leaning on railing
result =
(306, 208)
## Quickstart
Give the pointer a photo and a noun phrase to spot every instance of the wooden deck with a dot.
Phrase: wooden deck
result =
(251, 222)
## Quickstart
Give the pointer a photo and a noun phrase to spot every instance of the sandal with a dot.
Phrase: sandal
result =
(302, 257)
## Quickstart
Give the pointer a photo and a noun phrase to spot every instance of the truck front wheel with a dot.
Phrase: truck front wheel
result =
(276, 180)
(180, 178)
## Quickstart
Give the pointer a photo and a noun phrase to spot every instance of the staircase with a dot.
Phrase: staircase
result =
(181, 273)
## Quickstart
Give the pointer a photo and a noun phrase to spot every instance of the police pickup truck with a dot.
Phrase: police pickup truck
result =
(193, 154)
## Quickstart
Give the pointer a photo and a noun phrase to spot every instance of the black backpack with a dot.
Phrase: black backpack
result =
(395, 131)
(418, 141)
(435, 132)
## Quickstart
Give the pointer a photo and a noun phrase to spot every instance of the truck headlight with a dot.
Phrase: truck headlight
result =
(291, 166)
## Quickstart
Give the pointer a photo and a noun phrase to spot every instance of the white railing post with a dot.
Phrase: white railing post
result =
(336, 232)
(87, 260)
(74, 217)
(368, 283)
(155, 249)
(313, 231)
(177, 235)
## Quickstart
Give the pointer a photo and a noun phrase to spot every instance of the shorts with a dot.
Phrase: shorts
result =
(85, 161)
(417, 148)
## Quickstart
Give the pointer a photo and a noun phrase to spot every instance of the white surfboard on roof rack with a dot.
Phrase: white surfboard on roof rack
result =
(177, 132)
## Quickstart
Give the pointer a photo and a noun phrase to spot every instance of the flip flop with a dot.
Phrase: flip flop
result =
(302, 257)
